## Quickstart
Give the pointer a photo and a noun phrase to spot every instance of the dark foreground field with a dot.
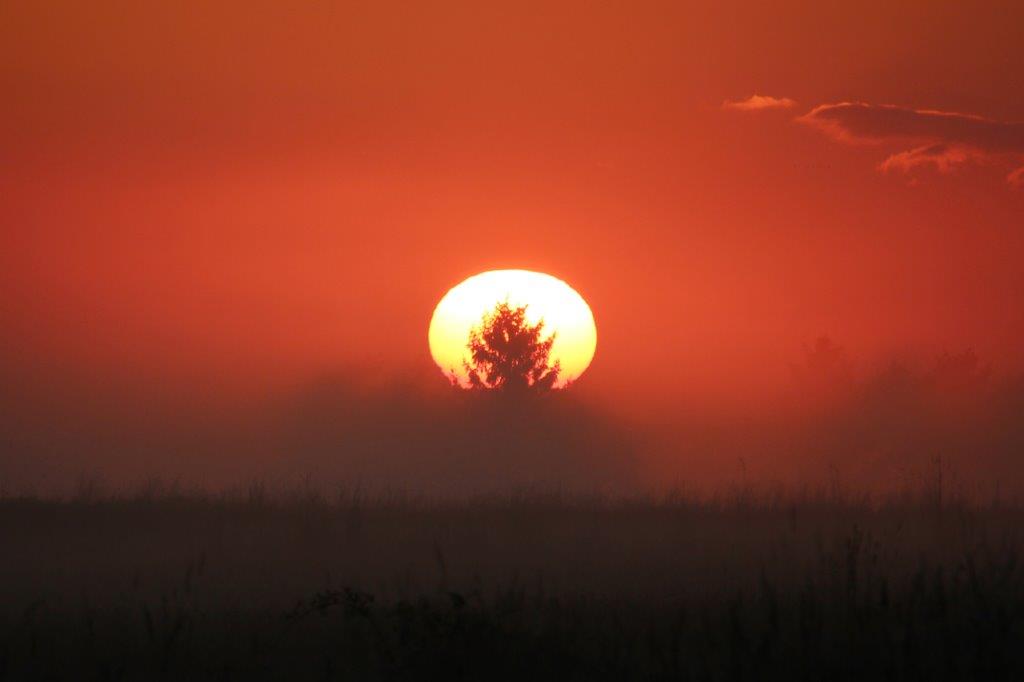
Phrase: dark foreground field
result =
(166, 586)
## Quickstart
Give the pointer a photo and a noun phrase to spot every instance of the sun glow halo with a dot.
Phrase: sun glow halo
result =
(547, 298)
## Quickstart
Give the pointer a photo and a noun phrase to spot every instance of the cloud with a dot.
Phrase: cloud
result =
(941, 139)
(943, 157)
(758, 103)
(1016, 178)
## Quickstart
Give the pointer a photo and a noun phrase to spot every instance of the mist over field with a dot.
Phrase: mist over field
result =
(891, 426)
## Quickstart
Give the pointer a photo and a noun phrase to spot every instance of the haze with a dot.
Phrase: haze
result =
(210, 210)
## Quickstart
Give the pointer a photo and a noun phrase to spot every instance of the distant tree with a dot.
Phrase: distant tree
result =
(507, 353)
(960, 372)
(826, 369)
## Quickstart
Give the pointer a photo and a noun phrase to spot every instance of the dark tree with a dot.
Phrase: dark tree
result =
(826, 371)
(509, 354)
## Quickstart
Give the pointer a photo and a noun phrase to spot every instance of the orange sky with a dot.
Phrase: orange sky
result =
(248, 194)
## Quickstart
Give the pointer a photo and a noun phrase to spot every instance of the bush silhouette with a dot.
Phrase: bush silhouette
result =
(509, 354)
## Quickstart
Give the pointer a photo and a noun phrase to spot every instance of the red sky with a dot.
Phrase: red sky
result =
(250, 194)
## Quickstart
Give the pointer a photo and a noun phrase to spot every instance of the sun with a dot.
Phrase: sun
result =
(547, 298)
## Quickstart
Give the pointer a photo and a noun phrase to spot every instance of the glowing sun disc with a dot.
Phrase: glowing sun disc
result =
(563, 310)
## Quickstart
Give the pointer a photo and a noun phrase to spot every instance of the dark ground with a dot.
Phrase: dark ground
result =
(190, 587)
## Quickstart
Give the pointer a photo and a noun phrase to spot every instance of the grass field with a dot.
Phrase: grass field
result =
(164, 585)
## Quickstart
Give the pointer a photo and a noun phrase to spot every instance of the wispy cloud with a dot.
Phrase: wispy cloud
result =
(1016, 178)
(941, 139)
(758, 103)
(943, 157)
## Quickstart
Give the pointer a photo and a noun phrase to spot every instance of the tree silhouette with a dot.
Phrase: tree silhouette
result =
(509, 354)
(826, 371)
